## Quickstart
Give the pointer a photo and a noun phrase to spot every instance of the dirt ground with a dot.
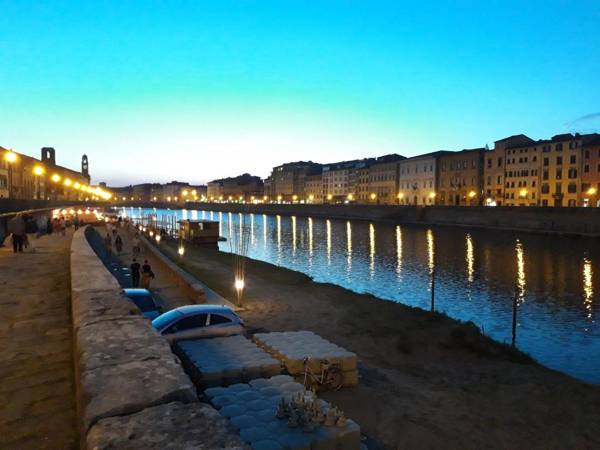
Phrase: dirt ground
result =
(427, 381)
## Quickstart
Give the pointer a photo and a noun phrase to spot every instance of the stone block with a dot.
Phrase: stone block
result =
(97, 305)
(170, 426)
(132, 386)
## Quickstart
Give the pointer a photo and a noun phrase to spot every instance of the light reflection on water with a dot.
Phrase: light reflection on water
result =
(477, 275)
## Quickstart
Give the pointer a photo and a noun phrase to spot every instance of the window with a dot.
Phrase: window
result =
(489, 163)
(546, 161)
(573, 159)
(559, 174)
(187, 323)
(559, 160)
(558, 147)
(572, 188)
(499, 162)
(216, 319)
(587, 154)
(545, 175)
(572, 173)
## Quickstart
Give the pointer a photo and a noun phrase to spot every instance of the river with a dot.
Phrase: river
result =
(478, 274)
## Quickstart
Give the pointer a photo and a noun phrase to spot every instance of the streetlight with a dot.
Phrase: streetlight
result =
(38, 171)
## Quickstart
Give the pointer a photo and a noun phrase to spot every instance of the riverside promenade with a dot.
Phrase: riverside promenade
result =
(36, 348)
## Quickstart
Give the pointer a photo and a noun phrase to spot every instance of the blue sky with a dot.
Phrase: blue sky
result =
(155, 91)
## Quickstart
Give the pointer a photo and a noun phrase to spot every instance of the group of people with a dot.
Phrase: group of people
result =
(23, 224)
(139, 272)
(145, 270)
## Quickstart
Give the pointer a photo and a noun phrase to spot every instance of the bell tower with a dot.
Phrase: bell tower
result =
(85, 167)
(49, 156)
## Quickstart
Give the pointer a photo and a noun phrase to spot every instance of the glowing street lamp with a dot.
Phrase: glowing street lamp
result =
(157, 238)
(38, 170)
(11, 157)
(311, 197)
(432, 194)
(373, 196)
(591, 191)
(55, 178)
(523, 193)
(472, 194)
(181, 250)
(329, 197)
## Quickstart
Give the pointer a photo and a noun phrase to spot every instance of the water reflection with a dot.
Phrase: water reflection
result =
(294, 235)
(470, 258)
(252, 229)
(372, 249)
(588, 288)
(398, 251)
(279, 237)
(558, 326)
(520, 272)
(349, 247)
(328, 224)
(265, 227)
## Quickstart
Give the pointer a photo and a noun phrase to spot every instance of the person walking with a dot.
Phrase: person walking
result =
(16, 226)
(118, 244)
(147, 275)
(63, 225)
(108, 243)
(76, 222)
(48, 226)
(135, 245)
(134, 268)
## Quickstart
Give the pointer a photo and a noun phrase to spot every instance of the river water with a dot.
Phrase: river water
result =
(478, 273)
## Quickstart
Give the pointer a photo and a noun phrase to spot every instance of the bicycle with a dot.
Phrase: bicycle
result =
(330, 377)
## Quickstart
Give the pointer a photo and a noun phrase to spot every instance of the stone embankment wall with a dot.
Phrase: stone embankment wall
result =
(131, 389)
(567, 221)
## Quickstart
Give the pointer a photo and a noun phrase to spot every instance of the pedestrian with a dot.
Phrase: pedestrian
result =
(48, 226)
(76, 223)
(108, 243)
(16, 226)
(147, 275)
(135, 245)
(118, 244)
(135, 273)
(63, 225)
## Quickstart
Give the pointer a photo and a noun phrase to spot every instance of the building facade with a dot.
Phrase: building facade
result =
(288, 181)
(460, 181)
(590, 174)
(340, 180)
(384, 175)
(417, 184)
(25, 177)
(522, 175)
(561, 159)
(314, 188)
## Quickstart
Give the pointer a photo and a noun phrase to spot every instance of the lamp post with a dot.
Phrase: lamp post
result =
(38, 171)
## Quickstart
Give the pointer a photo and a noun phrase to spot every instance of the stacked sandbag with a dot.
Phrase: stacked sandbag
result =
(292, 347)
(252, 409)
(225, 360)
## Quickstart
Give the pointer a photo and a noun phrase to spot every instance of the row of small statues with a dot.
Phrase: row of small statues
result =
(305, 412)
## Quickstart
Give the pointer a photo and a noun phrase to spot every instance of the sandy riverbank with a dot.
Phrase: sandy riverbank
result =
(427, 381)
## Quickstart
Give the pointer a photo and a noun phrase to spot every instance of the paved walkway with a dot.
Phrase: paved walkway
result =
(163, 286)
(37, 397)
